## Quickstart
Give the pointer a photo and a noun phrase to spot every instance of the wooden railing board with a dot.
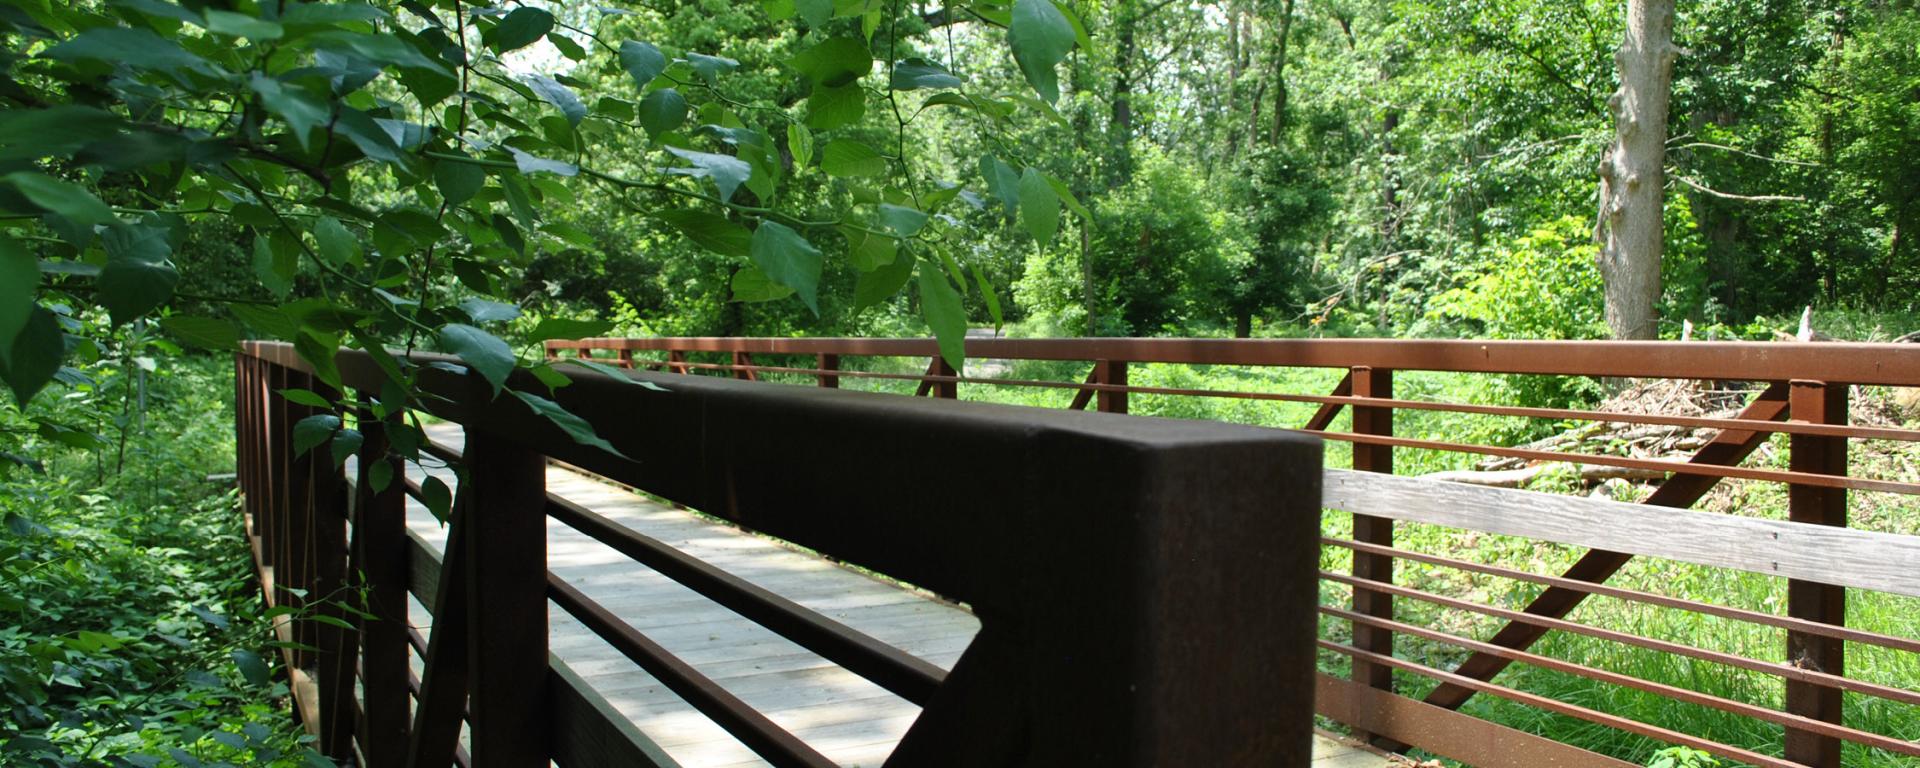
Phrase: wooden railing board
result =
(1846, 557)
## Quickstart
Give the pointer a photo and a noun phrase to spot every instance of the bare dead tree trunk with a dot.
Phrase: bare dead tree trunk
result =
(1632, 172)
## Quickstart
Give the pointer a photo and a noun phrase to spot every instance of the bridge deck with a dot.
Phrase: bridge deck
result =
(845, 717)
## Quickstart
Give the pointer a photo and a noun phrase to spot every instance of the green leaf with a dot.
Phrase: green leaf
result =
(528, 163)
(377, 48)
(274, 267)
(367, 135)
(559, 96)
(800, 144)
(136, 48)
(1066, 197)
(19, 276)
(252, 668)
(301, 112)
(834, 107)
(458, 182)
(788, 259)
(1003, 182)
(1039, 206)
(35, 356)
(575, 427)
(319, 351)
(643, 61)
(486, 311)
(612, 372)
(346, 442)
(869, 251)
(661, 111)
(846, 157)
(204, 332)
(940, 303)
(727, 172)
(266, 320)
(710, 231)
(379, 476)
(137, 276)
(65, 199)
(562, 328)
(310, 432)
(486, 353)
(304, 397)
(883, 282)
(915, 74)
(337, 244)
(241, 25)
(711, 68)
(836, 62)
(986, 291)
(752, 285)
(815, 13)
(901, 220)
(1040, 37)
(27, 134)
(519, 29)
(438, 498)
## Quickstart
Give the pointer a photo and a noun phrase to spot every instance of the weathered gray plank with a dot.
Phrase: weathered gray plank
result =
(1885, 562)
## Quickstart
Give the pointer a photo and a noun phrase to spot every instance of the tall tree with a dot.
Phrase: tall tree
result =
(1633, 170)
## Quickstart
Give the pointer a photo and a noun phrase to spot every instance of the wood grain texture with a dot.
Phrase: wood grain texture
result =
(1884, 562)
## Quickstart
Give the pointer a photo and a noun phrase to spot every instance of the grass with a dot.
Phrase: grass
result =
(1887, 614)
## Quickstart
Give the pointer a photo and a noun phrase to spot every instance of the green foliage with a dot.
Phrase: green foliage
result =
(1682, 757)
(1538, 287)
(130, 632)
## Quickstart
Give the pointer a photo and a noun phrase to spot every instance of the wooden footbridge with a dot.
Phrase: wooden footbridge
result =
(779, 575)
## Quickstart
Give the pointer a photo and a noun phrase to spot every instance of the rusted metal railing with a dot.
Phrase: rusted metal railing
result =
(1110, 562)
(1800, 391)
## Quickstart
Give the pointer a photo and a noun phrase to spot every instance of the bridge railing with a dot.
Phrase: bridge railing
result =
(1130, 575)
(1423, 629)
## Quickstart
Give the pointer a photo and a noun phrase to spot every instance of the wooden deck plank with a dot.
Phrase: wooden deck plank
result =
(847, 718)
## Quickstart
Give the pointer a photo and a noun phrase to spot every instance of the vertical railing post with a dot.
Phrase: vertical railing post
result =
(274, 503)
(946, 389)
(380, 556)
(1373, 420)
(1114, 373)
(743, 366)
(295, 572)
(625, 356)
(829, 363)
(677, 362)
(507, 598)
(327, 503)
(1815, 402)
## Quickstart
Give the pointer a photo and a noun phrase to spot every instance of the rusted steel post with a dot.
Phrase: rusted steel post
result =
(1113, 372)
(380, 557)
(1373, 420)
(743, 363)
(273, 448)
(677, 362)
(507, 601)
(829, 363)
(1816, 402)
(625, 357)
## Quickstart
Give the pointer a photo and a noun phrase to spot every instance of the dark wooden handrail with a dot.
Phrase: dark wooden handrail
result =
(1124, 570)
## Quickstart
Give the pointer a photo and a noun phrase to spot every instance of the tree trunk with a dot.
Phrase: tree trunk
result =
(1120, 131)
(1280, 72)
(1633, 172)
